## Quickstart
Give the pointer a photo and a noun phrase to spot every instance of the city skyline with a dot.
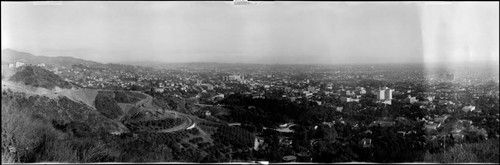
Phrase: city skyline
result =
(267, 33)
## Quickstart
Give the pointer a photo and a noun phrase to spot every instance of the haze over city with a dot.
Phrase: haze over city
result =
(268, 33)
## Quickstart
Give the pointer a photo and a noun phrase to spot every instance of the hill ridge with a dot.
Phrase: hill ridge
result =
(38, 77)
(11, 56)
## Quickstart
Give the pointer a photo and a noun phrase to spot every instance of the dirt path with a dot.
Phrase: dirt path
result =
(188, 122)
(148, 103)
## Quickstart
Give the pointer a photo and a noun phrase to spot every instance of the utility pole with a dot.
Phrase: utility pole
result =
(444, 144)
(13, 149)
(230, 155)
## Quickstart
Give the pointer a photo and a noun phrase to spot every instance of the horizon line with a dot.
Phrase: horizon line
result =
(251, 63)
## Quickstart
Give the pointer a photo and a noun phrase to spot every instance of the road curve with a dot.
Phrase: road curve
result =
(188, 122)
(147, 102)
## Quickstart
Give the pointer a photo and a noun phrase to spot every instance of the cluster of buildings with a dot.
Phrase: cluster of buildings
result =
(16, 64)
(233, 78)
(331, 88)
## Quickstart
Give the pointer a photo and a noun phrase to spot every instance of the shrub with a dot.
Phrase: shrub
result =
(484, 152)
(20, 130)
(154, 125)
(127, 97)
(107, 106)
(234, 135)
(194, 131)
(36, 140)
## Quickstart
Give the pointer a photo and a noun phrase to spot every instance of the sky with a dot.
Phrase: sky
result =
(268, 33)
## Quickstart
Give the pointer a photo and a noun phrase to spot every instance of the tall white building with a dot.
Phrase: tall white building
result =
(384, 94)
(388, 94)
(381, 95)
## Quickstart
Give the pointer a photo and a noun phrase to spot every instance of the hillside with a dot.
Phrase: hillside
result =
(62, 129)
(10, 56)
(176, 103)
(39, 77)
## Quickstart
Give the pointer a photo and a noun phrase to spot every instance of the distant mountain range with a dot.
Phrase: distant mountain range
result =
(11, 56)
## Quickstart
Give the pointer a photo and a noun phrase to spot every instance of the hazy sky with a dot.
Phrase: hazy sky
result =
(270, 32)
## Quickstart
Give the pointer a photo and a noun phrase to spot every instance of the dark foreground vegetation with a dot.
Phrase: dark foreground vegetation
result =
(60, 130)
(342, 141)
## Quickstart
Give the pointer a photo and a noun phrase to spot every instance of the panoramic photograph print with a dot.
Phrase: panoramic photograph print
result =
(250, 82)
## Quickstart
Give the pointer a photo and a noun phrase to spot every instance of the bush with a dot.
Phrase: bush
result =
(154, 125)
(194, 131)
(127, 97)
(107, 106)
(36, 140)
(235, 136)
(20, 130)
(483, 152)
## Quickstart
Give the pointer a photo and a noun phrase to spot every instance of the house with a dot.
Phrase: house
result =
(259, 141)
(382, 123)
(284, 130)
(208, 113)
(234, 124)
(458, 137)
(116, 133)
(257, 96)
(366, 142)
(18, 64)
(158, 90)
(403, 133)
(411, 100)
(388, 102)
(431, 126)
(329, 124)
(309, 94)
(445, 102)
(289, 158)
(285, 141)
(304, 156)
(469, 108)
(360, 90)
(347, 99)
(311, 89)
(218, 97)
(441, 119)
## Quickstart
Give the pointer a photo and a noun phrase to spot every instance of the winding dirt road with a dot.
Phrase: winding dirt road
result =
(148, 103)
